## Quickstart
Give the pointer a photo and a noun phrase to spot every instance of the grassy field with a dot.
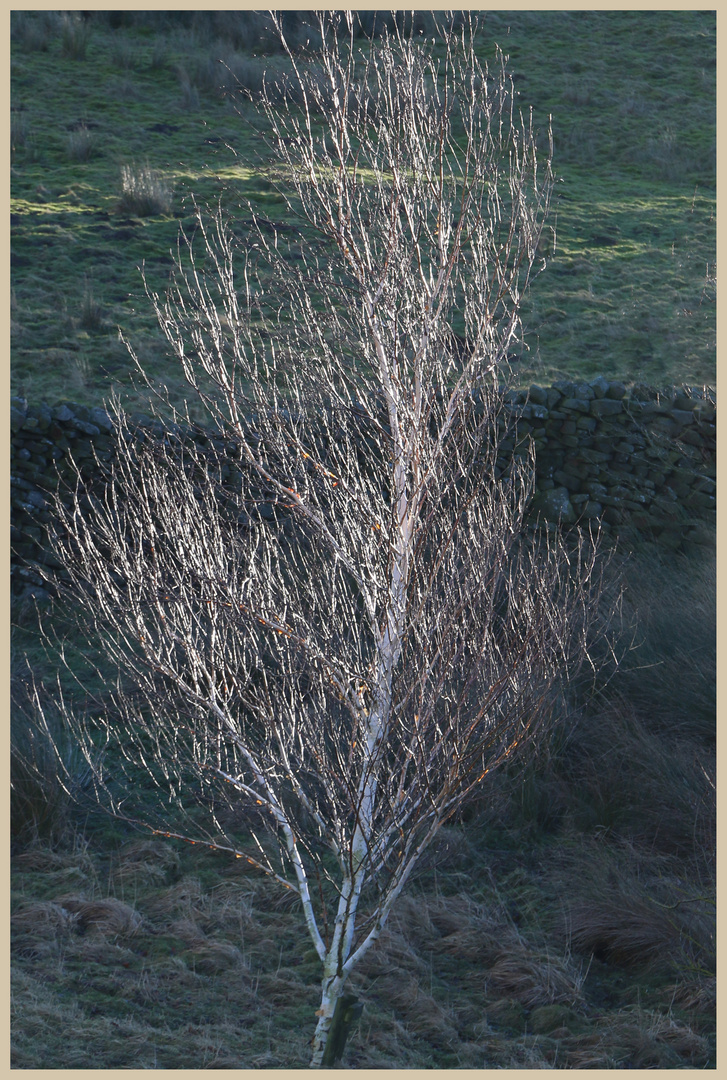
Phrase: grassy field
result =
(630, 289)
(568, 921)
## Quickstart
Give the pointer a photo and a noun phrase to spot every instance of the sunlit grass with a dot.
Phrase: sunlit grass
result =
(635, 157)
(217, 973)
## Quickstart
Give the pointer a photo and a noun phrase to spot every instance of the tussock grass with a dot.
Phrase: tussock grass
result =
(213, 957)
(623, 929)
(630, 907)
(75, 35)
(44, 919)
(91, 315)
(106, 916)
(32, 30)
(143, 863)
(641, 308)
(144, 192)
(81, 143)
(534, 979)
(184, 897)
(19, 131)
(670, 677)
(639, 1039)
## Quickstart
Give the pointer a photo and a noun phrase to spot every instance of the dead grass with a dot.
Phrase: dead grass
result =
(582, 938)
(143, 863)
(451, 984)
(670, 678)
(694, 995)
(637, 1039)
(106, 916)
(81, 143)
(627, 779)
(635, 909)
(213, 957)
(75, 35)
(624, 930)
(144, 192)
(534, 978)
(44, 919)
(185, 896)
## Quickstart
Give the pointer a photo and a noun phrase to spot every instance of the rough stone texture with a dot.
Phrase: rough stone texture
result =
(635, 458)
(555, 505)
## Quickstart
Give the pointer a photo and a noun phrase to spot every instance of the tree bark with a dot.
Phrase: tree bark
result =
(332, 989)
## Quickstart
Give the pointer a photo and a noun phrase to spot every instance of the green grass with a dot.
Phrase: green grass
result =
(567, 921)
(629, 292)
(530, 934)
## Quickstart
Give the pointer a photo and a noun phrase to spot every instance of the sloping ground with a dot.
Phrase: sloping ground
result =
(567, 922)
(630, 291)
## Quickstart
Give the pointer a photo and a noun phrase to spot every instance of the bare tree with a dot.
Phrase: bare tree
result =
(333, 614)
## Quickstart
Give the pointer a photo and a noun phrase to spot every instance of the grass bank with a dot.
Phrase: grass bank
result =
(567, 921)
(104, 171)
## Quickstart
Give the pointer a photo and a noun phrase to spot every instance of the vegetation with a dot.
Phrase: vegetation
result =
(566, 920)
(629, 292)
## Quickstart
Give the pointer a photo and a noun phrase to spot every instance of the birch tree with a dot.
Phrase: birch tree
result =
(331, 623)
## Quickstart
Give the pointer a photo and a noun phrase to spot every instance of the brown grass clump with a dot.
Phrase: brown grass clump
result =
(456, 915)
(678, 1036)
(636, 1039)
(211, 957)
(144, 863)
(185, 896)
(533, 979)
(418, 1009)
(109, 916)
(144, 192)
(39, 859)
(81, 143)
(469, 944)
(624, 928)
(694, 995)
(44, 919)
(637, 909)
(75, 36)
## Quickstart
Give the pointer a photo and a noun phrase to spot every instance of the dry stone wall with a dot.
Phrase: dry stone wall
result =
(630, 458)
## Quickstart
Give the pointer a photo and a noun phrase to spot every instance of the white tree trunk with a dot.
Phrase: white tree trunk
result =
(356, 678)
(332, 989)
